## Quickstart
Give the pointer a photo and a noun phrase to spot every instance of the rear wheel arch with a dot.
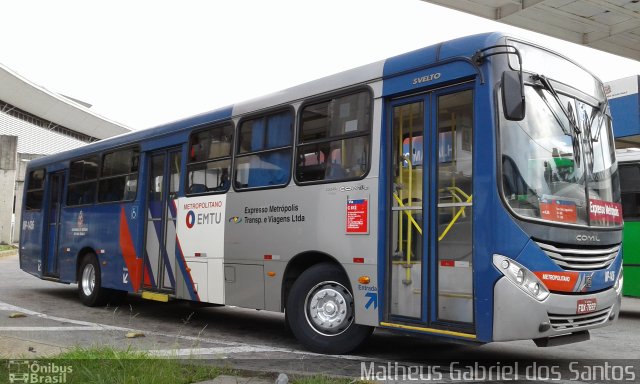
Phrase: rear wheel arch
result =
(84, 252)
(321, 310)
(300, 263)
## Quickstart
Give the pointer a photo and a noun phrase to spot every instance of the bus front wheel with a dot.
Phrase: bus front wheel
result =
(90, 284)
(320, 311)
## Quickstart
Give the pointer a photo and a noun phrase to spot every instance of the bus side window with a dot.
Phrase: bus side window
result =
(263, 157)
(35, 190)
(337, 133)
(83, 177)
(209, 162)
(119, 176)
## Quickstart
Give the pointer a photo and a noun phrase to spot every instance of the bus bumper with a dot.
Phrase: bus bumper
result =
(518, 316)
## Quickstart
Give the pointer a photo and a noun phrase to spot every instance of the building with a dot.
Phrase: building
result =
(624, 103)
(35, 122)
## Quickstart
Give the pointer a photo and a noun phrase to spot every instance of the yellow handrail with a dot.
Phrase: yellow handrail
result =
(454, 195)
(453, 220)
(401, 182)
(409, 237)
(411, 219)
(460, 191)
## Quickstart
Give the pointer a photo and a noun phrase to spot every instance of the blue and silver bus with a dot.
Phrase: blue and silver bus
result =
(468, 190)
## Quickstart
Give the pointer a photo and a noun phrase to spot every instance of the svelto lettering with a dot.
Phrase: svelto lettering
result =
(427, 78)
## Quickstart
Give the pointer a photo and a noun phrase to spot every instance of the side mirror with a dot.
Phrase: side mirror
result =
(513, 95)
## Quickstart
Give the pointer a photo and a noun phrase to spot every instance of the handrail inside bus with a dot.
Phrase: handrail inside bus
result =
(454, 190)
(408, 213)
(454, 219)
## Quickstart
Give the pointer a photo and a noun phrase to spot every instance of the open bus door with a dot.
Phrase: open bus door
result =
(160, 242)
(53, 203)
(429, 272)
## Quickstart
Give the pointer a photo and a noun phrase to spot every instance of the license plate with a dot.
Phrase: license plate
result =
(586, 306)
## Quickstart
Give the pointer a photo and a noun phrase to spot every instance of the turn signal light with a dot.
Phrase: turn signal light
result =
(364, 280)
(271, 274)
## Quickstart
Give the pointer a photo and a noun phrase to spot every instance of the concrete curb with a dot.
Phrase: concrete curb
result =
(10, 252)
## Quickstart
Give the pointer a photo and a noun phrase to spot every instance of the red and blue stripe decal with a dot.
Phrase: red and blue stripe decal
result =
(133, 263)
(182, 263)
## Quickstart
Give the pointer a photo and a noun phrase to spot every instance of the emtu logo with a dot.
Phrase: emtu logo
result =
(191, 219)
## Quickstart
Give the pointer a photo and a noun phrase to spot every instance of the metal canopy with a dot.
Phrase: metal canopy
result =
(34, 99)
(608, 25)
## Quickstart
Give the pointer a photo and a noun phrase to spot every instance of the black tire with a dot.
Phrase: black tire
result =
(90, 288)
(328, 329)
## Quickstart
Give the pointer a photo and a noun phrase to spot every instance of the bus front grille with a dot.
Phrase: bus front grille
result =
(570, 322)
(575, 259)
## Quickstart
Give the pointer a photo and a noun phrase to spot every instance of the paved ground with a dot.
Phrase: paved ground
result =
(256, 340)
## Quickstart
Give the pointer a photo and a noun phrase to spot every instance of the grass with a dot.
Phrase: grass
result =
(102, 365)
(105, 365)
(4, 247)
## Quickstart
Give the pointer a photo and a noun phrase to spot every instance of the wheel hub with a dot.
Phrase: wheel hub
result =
(88, 280)
(329, 308)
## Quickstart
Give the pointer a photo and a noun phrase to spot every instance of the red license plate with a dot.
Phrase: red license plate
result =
(586, 306)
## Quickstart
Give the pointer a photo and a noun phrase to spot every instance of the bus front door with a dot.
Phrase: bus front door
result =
(429, 264)
(54, 200)
(160, 243)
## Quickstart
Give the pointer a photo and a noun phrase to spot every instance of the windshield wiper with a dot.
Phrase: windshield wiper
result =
(569, 114)
(602, 108)
(575, 131)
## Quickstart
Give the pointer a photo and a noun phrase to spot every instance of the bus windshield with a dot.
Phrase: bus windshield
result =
(558, 164)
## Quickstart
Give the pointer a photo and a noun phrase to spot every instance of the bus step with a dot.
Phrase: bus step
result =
(155, 296)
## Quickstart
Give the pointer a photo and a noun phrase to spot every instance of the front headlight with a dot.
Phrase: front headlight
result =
(521, 277)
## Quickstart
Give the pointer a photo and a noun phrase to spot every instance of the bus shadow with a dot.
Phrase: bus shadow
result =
(60, 292)
(250, 326)
(177, 317)
(236, 324)
(630, 314)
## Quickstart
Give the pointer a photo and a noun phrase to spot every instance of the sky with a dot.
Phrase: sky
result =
(143, 63)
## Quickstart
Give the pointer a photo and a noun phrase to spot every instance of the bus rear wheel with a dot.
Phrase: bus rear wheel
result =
(320, 311)
(90, 288)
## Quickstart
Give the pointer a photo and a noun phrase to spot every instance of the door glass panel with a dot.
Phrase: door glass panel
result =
(406, 253)
(454, 213)
(156, 171)
(174, 180)
(169, 265)
(154, 239)
(55, 198)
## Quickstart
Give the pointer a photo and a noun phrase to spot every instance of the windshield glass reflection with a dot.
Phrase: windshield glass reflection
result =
(560, 170)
